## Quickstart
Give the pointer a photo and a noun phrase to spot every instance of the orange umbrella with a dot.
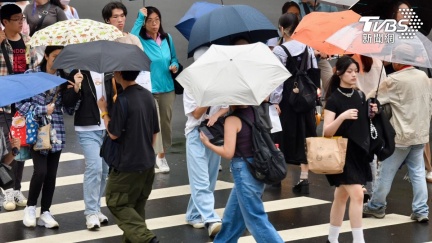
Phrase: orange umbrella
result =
(316, 27)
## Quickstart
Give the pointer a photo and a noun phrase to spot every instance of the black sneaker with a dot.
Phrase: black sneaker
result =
(302, 187)
(154, 240)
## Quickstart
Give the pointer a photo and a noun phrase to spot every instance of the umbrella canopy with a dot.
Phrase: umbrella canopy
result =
(222, 25)
(403, 47)
(198, 9)
(18, 87)
(103, 56)
(316, 27)
(345, 4)
(233, 75)
(74, 31)
(382, 8)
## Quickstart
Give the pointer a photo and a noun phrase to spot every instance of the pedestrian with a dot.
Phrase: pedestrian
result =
(71, 12)
(47, 105)
(14, 43)
(346, 115)
(43, 13)
(148, 28)
(244, 208)
(296, 127)
(22, 5)
(130, 182)
(202, 164)
(411, 114)
(82, 95)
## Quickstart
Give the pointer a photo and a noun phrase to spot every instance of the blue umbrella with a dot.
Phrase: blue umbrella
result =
(18, 87)
(198, 9)
(227, 23)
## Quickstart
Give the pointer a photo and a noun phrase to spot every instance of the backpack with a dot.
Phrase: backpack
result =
(303, 96)
(268, 164)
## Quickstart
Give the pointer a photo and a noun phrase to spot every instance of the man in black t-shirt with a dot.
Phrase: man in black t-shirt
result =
(130, 182)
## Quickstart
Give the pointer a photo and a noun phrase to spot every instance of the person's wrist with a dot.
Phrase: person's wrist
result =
(104, 113)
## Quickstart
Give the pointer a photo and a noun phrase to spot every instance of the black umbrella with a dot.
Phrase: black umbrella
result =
(103, 56)
(383, 8)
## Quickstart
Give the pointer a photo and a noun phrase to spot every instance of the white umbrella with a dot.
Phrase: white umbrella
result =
(233, 75)
(345, 4)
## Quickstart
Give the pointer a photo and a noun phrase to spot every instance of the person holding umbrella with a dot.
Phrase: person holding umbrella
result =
(159, 47)
(45, 162)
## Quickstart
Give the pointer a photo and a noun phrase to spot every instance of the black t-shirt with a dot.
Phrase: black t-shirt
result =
(142, 122)
(19, 56)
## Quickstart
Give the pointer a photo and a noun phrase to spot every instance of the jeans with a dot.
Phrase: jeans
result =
(203, 169)
(96, 170)
(245, 209)
(413, 158)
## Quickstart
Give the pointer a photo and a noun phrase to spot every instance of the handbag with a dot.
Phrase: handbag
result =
(215, 133)
(43, 138)
(178, 89)
(326, 155)
(24, 128)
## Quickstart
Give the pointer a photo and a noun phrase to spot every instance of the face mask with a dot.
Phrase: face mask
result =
(65, 2)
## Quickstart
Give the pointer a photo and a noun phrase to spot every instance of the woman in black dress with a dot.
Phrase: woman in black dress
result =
(346, 115)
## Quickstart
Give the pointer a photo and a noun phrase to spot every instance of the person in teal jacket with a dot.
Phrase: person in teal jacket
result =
(148, 28)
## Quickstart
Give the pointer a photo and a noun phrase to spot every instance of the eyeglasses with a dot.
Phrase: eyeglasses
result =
(153, 21)
(18, 19)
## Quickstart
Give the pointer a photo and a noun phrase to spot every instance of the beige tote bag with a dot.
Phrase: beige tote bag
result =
(326, 155)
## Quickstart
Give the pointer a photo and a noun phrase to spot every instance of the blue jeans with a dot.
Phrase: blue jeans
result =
(203, 169)
(245, 209)
(413, 158)
(96, 170)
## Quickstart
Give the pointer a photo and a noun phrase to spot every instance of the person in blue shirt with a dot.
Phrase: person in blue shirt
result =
(148, 28)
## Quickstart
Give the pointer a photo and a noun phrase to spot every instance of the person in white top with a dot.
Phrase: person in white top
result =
(202, 164)
(71, 12)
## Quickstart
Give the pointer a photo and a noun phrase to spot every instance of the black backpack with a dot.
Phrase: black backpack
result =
(268, 161)
(301, 87)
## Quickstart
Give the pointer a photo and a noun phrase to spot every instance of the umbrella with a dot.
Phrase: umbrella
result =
(222, 25)
(18, 87)
(74, 31)
(410, 47)
(233, 75)
(103, 56)
(345, 4)
(184, 26)
(316, 27)
(382, 8)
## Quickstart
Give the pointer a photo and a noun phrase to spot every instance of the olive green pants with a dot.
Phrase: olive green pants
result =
(126, 197)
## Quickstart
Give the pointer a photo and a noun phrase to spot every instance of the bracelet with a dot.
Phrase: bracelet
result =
(103, 114)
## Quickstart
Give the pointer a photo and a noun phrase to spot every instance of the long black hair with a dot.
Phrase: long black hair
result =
(57, 3)
(342, 65)
(289, 23)
(394, 9)
(48, 51)
(161, 31)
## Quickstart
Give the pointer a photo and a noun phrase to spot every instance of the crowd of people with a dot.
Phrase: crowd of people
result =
(101, 106)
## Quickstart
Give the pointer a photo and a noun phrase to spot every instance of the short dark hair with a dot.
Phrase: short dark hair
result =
(129, 75)
(162, 33)
(8, 10)
(107, 10)
(288, 5)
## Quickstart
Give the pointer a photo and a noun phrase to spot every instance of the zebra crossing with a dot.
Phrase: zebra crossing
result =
(297, 219)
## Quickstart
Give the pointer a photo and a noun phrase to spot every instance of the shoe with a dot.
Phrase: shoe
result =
(213, 228)
(9, 201)
(154, 240)
(380, 213)
(30, 216)
(366, 197)
(162, 164)
(46, 219)
(196, 225)
(220, 167)
(20, 199)
(429, 177)
(419, 218)
(92, 221)
(102, 218)
(302, 187)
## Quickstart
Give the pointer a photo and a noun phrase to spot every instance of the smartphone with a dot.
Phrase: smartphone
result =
(206, 131)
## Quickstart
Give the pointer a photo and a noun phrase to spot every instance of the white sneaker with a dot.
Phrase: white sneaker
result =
(46, 219)
(102, 218)
(20, 199)
(92, 221)
(9, 201)
(162, 164)
(429, 177)
(213, 228)
(30, 216)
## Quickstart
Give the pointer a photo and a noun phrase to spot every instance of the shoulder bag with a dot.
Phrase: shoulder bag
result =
(326, 155)
(178, 89)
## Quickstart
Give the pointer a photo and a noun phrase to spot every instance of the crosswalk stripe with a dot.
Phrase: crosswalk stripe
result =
(322, 229)
(64, 157)
(75, 206)
(168, 221)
